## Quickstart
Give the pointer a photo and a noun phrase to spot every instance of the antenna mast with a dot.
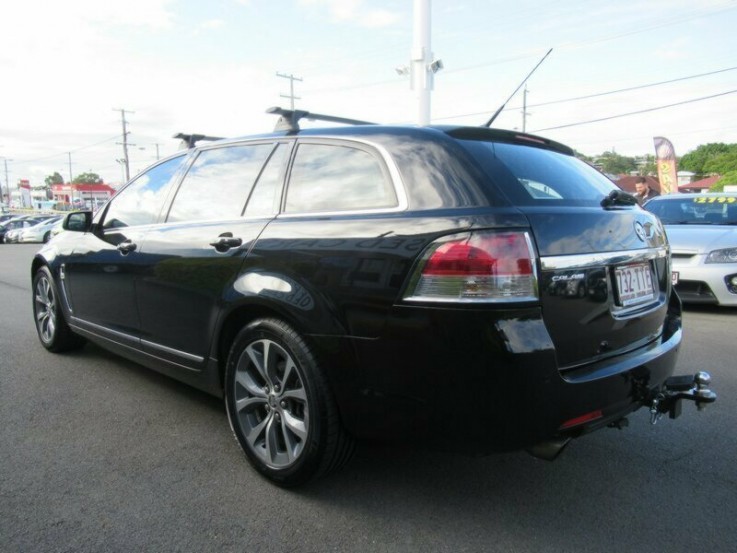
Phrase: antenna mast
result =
(493, 117)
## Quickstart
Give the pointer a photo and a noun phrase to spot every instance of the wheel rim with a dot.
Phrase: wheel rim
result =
(271, 405)
(45, 303)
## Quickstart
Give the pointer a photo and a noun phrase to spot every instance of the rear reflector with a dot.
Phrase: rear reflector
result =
(583, 419)
(476, 267)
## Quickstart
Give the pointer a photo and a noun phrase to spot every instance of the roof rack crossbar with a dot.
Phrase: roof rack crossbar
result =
(289, 119)
(190, 139)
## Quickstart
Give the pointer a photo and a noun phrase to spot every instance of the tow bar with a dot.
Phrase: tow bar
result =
(689, 387)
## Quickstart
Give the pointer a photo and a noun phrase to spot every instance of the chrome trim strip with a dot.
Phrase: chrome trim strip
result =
(82, 324)
(172, 351)
(589, 260)
(130, 338)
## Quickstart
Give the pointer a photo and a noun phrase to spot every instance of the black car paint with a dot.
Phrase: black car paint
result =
(174, 304)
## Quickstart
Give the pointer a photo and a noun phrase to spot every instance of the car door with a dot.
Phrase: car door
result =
(188, 263)
(101, 271)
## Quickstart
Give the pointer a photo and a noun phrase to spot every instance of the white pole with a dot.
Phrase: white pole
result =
(422, 76)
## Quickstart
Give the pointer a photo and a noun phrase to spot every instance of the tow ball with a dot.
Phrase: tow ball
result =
(676, 388)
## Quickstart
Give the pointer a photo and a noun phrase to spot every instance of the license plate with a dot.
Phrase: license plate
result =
(674, 277)
(634, 284)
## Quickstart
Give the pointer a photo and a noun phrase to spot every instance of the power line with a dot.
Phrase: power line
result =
(630, 89)
(597, 94)
(636, 112)
(66, 152)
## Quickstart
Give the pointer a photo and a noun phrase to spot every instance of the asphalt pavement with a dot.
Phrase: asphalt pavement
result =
(100, 454)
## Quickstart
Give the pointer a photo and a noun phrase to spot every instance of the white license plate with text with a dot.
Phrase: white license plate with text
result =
(634, 284)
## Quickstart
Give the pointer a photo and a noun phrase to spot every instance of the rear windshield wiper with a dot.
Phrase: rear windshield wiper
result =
(618, 198)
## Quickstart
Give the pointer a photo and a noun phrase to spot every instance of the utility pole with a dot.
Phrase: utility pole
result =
(291, 95)
(71, 186)
(7, 182)
(524, 110)
(423, 65)
(125, 143)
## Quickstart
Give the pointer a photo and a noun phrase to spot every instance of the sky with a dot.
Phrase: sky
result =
(619, 74)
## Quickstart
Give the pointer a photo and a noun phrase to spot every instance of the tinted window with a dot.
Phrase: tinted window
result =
(140, 202)
(264, 199)
(542, 176)
(218, 183)
(337, 178)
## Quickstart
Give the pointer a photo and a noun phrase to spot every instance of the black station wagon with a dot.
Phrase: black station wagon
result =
(460, 287)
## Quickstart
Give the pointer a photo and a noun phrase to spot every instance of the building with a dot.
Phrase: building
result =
(702, 185)
(88, 195)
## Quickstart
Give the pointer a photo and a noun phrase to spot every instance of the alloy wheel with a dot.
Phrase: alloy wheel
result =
(271, 404)
(45, 304)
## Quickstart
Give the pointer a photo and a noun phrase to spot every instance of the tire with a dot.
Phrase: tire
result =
(280, 408)
(52, 327)
(47, 236)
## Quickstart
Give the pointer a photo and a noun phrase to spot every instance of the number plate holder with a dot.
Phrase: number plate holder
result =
(634, 284)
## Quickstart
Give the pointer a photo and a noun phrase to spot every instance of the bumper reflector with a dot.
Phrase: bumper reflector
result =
(583, 419)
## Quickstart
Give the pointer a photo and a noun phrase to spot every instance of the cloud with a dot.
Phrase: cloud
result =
(208, 26)
(355, 12)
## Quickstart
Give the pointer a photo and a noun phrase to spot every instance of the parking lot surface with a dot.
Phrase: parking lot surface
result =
(97, 453)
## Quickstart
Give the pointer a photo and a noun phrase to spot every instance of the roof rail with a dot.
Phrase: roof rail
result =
(189, 140)
(289, 119)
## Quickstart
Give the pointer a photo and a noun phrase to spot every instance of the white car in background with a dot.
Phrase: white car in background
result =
(702, 231)
(40, 232)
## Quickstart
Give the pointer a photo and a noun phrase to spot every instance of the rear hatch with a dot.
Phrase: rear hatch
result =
(604, 272)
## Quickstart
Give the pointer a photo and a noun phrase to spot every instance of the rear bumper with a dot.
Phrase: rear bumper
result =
(475, 381)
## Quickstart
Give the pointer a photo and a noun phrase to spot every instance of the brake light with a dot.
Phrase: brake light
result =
(476, 266)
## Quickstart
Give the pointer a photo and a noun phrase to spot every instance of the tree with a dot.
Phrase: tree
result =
(728, 178)
(614, 164)
(722, 163)
(647, 165)
(56, 178)
(697, 160)
(87, 178)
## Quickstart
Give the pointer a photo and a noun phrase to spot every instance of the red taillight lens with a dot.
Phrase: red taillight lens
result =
(477, 266)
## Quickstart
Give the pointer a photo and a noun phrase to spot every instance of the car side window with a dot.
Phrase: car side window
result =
(264, 199)
(219, 182)
(329, 177)
(140, 202)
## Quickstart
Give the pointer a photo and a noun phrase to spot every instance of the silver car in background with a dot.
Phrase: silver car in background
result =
(39, 233)
(702, 231)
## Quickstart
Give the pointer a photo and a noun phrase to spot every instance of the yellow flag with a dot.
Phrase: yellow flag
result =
(665, 157)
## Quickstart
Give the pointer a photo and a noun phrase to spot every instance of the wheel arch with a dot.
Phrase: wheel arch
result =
(239, 317)
(38, 262)
(331, 346)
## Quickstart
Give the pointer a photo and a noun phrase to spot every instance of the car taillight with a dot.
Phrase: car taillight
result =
(476, 267)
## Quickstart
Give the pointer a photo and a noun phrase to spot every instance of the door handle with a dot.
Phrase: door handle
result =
(225, 242)
(126, 247)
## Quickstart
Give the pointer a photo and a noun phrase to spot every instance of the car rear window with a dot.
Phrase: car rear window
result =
(535, 176)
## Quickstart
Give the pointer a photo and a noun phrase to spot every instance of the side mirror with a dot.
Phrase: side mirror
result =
(78, 221)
